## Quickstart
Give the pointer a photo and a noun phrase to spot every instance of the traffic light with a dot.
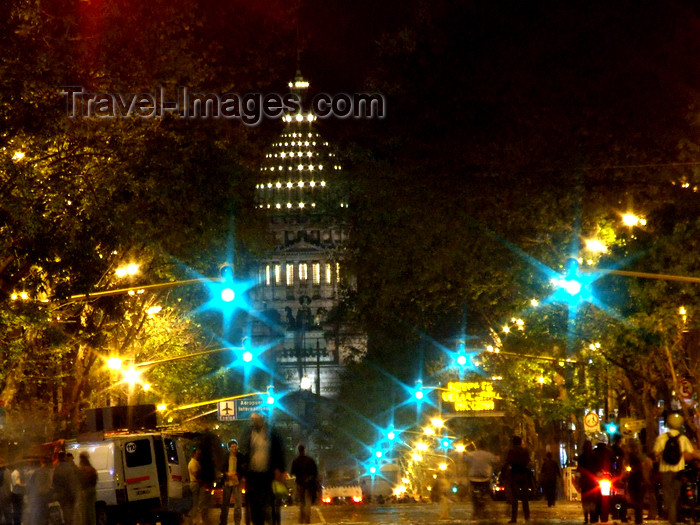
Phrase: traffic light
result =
(445, 443)
(228, 294)
(418, 390)
(611, 428)
(270, 395)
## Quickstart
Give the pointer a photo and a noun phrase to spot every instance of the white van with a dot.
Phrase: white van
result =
(140, 476)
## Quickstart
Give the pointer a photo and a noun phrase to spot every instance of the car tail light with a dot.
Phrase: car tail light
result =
(357, 499)
(605, 486)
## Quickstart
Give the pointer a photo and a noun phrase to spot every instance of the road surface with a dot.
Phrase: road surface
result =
(427, 513)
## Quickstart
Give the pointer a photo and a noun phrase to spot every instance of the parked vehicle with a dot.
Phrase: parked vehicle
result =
(140, 476)
(341, 494)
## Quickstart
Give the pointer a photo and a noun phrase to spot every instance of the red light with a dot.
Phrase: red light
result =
(605, 485)
(357, 499)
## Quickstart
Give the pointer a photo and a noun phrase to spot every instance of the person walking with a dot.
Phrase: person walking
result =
(550, 473)
(66, 486)
(305, 471)
(520, 478)
(587, 466)
(17, 496)
(88, 494)
(38, 492)
(194, 467)
(264, 459)
(636, 481)
(5, 495)
(480, 464)
(233, 482)
(673, 449)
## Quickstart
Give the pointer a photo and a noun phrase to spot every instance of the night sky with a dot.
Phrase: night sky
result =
(531, 83)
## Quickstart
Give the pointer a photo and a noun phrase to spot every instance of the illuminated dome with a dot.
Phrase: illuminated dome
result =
(300, 170)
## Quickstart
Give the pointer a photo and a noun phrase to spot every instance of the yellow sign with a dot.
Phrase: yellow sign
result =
(473, 396)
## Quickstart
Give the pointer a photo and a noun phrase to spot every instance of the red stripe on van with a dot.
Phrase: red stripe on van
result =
(136, 480)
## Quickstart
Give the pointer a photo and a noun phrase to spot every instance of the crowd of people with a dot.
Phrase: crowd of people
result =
(48, 490)
(253, 477)
(636, 475)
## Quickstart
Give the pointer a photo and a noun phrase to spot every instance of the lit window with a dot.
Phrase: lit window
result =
(329, 274)
(267, 275)
(303, 272)
(337, 272)
(278, 274)
(316, 273)
(290, 274)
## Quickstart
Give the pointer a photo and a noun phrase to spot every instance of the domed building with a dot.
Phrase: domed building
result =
(301, 280)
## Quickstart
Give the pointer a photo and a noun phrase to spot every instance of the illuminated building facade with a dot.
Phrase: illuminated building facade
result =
(300, 281)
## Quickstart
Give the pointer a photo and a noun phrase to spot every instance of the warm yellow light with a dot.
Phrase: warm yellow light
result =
(594, 245)
(460, 448)
(443, 466)
(404, 481)
(437, 422)
(114, 363)
(146, 387)
(162, 407)
(153, 310)
(19, 155)
(132, 376)
(629, 219)
(428, 431)
(506, 329)
(682, 311)
(417, 457)
(422, 447)
(540, 380)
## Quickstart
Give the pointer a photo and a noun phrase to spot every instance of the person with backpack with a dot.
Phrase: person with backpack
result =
(672, 448)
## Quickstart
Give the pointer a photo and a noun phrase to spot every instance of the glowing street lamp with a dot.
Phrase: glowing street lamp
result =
(630, 219)
(128, 270)
(594, 245)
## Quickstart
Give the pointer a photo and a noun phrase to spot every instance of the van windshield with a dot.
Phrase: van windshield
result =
(138, 453)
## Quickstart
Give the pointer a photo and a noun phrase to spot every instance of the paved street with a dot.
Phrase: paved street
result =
(499, 512)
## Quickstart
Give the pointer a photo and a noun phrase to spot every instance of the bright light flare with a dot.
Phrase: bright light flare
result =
(443, 466)
(114, 363)
(571, 286)
(128, 270)
(594, 245)
(437, 422)
(227, 295)
(132, 376)
(630, 219)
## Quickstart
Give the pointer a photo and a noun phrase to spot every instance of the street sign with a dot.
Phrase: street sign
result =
(629, 426)
(227, 410)
(245, 407)
(591, 422)
(686, 388)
